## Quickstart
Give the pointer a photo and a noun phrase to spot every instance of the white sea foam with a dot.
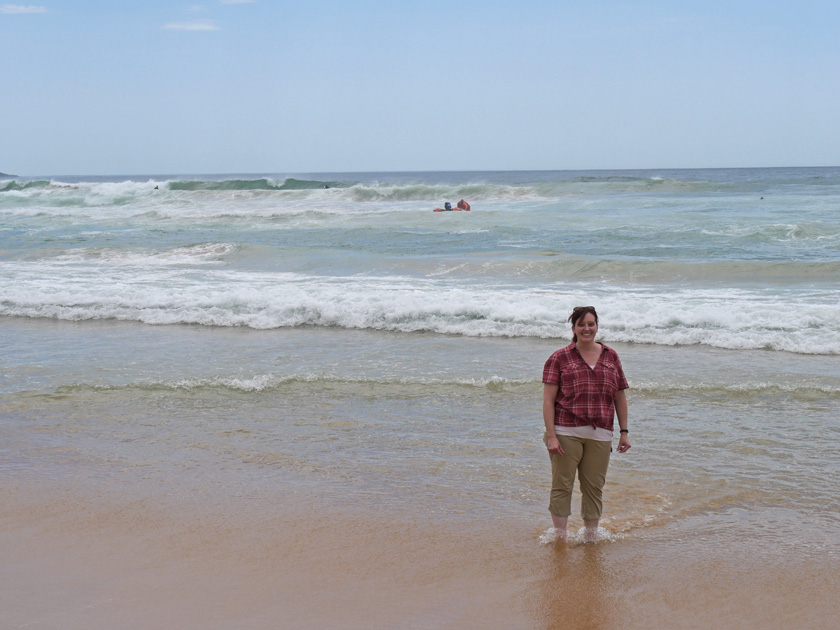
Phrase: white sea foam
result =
(169, 294)
(584, 535)
(802, 389)
(202, 253)
(270, 381)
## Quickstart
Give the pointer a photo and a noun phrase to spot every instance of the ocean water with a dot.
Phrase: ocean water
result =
(330, 335)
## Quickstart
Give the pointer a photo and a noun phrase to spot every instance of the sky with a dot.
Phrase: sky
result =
(234, 86)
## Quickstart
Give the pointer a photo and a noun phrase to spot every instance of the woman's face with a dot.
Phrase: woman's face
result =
(586, 328)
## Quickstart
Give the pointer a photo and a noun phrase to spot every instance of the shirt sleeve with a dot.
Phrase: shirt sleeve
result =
(551, 371)
(622, 380)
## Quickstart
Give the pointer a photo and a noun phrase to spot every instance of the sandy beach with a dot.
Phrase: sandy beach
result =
(132, 558)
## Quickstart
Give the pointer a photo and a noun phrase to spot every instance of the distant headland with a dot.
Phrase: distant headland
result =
(7, 175)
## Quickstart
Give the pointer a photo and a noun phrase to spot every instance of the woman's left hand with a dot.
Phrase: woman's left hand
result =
(623, 443)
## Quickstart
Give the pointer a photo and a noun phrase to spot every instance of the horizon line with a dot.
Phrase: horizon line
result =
(513, 170)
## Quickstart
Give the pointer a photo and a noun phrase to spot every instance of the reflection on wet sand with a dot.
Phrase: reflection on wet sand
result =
(685, 577)
(576, 591)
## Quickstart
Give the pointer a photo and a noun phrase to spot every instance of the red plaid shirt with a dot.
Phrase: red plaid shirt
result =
(586, 396)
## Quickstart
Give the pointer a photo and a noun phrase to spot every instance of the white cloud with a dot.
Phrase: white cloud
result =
(20, 8)
(195, 25)
(236, 1)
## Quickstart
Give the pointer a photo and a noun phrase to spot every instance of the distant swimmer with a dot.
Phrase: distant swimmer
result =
(447, 207)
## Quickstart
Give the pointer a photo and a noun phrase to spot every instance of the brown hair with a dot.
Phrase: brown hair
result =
(579, 312)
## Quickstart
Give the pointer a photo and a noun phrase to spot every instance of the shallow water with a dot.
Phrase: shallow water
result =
(458, 434)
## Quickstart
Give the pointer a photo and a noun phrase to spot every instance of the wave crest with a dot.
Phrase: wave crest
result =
(264, 183)
(266, 383)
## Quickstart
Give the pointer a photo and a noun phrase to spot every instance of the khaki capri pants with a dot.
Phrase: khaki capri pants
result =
(590, 459)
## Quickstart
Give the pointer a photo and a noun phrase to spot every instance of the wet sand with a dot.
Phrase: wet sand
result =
(108, 557)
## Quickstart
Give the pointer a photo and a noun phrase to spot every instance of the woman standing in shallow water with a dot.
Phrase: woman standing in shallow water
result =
(583, 392)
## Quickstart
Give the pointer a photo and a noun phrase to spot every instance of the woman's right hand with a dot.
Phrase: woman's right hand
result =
(553, 444)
